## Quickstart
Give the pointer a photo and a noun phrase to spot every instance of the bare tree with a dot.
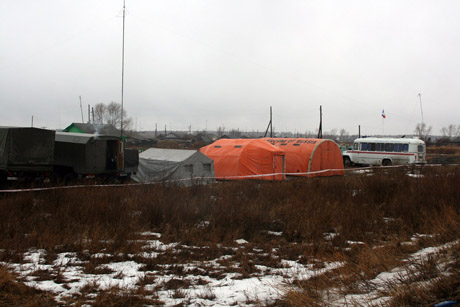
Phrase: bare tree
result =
(111, 114)
(99, 111)
(422, 131)
(220, 131)
(343, 134)
(235, 133)
(450, 132)
(330, 134)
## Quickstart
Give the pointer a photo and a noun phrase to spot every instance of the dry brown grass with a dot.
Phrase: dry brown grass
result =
(378, 211)
(446, 149)
(15, 293)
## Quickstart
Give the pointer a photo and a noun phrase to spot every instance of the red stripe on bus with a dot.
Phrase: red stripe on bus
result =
(383, 153)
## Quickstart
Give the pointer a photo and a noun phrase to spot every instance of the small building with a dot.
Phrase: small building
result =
(93, 129)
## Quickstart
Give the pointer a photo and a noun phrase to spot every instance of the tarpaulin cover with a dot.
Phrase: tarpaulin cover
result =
(26, 149)
(310, 155)
(181, 166)
(236, 159)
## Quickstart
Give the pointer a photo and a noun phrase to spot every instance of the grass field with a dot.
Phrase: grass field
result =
(376, 237)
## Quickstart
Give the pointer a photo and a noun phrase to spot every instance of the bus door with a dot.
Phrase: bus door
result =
(420, 154)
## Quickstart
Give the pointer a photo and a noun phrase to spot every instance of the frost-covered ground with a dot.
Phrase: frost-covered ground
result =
(215, 282)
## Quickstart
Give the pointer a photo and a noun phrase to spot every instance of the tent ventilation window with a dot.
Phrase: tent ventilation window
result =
(217, 146)
(283, 144)
(238, 146)
(207, 167)
(189, 168)
(296, 144)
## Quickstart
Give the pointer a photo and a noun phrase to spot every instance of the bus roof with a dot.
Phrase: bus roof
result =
(390, 140)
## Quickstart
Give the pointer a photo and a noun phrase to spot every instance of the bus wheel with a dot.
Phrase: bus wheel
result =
(386, 162)
(346, 161)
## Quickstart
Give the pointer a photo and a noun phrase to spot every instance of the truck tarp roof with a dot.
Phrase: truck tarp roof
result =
(26, 147)
(81, 138)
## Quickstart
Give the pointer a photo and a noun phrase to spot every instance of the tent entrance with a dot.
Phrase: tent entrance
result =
(278, 166)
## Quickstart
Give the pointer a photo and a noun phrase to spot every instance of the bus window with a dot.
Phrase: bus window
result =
(397, 147)
(379, 147)
(363, 146)
(389, 147)
(420, 148)
(371, 147)
(355, 146)
(405, 147)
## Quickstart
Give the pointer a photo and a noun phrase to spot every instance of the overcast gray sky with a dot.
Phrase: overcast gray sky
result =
(211, 63)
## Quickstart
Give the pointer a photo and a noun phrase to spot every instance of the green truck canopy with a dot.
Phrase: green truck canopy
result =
(26, 149)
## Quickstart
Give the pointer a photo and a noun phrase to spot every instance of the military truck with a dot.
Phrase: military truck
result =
(26, 154)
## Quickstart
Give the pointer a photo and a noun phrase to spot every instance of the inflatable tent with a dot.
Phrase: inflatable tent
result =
(310, 157)
(181, 166)
(236, 159)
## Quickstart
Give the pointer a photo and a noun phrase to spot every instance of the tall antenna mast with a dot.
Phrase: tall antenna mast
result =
(81, 109)
(421, 110)
(122, 69)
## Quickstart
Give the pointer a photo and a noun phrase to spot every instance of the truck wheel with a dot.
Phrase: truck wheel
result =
(386, 162)
(346, 161)
(70, 178)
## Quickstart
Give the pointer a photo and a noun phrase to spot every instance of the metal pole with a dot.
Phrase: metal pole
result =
(271, 123)
(320, 130)
(122, 70)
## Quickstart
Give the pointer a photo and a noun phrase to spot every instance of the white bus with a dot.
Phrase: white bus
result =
(385, 151)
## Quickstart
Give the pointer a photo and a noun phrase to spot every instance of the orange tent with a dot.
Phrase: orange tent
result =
(317, 157)
(236, 159)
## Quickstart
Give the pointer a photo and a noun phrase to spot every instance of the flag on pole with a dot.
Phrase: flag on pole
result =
(383, 114)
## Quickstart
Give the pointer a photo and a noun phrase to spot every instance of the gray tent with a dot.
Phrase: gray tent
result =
(181, 166)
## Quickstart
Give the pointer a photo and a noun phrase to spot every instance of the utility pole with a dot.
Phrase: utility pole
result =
(320, 130)
(270, 125)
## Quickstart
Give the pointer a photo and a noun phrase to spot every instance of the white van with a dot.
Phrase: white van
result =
(385, 151)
